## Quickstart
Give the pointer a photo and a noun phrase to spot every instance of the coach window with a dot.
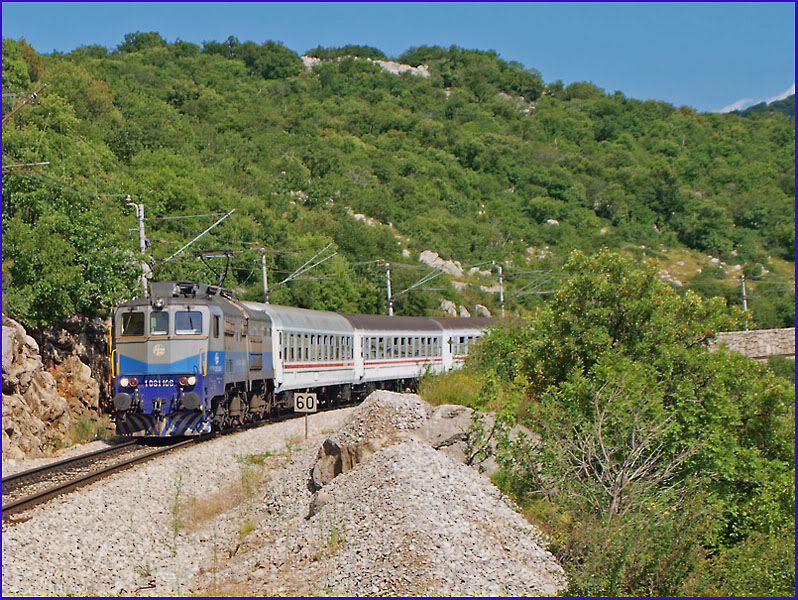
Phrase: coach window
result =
(133, 323)
(188, 322)
(159, 323)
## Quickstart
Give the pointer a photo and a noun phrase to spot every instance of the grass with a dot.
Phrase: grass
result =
(455, 387)
(245, 529)
(258, 459)
(177, 511)
(88, 429)
(332, 537)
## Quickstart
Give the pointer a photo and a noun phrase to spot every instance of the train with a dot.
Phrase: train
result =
(190, 359)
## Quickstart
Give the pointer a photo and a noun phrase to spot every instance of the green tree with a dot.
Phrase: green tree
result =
(138, 41)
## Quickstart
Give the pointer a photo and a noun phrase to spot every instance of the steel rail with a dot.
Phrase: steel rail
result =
(52, 492)
(62, 463)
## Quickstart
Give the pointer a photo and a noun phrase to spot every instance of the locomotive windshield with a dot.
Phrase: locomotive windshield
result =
(159, 323)
(133, 323)
(188, 321)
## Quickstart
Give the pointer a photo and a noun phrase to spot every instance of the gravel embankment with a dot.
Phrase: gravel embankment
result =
(406, 521)
(123, 534)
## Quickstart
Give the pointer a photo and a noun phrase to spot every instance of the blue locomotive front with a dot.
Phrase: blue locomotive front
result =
(164, 373)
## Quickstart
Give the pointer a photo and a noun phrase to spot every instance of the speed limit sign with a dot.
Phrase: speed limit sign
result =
(304, 402)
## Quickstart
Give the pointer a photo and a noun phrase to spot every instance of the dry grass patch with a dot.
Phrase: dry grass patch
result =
(200, 510)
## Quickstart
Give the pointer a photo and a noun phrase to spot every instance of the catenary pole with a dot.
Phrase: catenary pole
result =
(142, 240)
(265, 281)
(388, 282)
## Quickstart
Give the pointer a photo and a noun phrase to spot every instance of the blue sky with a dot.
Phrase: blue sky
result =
(711, 56)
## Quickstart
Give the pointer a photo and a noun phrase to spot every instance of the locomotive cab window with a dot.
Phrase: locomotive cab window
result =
(216, 326)
(159, 323)
(132, 323)
(188, 322)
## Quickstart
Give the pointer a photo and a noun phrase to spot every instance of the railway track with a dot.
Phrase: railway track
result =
(24, 490)
(27, 489)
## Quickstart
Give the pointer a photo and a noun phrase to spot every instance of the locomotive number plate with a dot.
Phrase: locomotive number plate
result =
(304, 402)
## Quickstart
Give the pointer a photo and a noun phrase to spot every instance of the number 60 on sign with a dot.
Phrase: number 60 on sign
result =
(304, 402)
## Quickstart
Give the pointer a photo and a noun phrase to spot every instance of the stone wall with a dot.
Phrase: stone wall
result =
(760, 343)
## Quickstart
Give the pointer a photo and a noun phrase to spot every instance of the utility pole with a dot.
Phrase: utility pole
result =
(501, 286)
(388, 283)
(31, 98)
(745, 303)
(142, 240)
(265, 281)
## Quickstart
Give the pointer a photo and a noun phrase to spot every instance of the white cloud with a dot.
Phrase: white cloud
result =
(746, 102)
(788, 92)
(739, 105)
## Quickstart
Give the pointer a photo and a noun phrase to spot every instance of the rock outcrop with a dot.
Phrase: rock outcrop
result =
(79, 340)
(449, 307)
(49, 383)
(36, 417)
(433, 259)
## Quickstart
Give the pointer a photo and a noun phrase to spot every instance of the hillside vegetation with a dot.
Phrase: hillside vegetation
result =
(481, 161)
(659, 468)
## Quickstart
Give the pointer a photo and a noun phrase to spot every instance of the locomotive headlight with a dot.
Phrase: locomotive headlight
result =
(192, 380)
(124, 382)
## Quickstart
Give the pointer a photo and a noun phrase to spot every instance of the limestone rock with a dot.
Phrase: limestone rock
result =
(36, 417)
(450, 267)
(76, 384)
(464, 312)
(481, 311)
(449, 307)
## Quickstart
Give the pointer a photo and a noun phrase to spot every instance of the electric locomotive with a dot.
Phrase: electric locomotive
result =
(175, 353)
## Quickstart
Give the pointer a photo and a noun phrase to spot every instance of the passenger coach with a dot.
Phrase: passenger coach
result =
(190, 358)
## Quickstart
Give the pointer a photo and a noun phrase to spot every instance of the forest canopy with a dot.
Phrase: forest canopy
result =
(480, 161)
